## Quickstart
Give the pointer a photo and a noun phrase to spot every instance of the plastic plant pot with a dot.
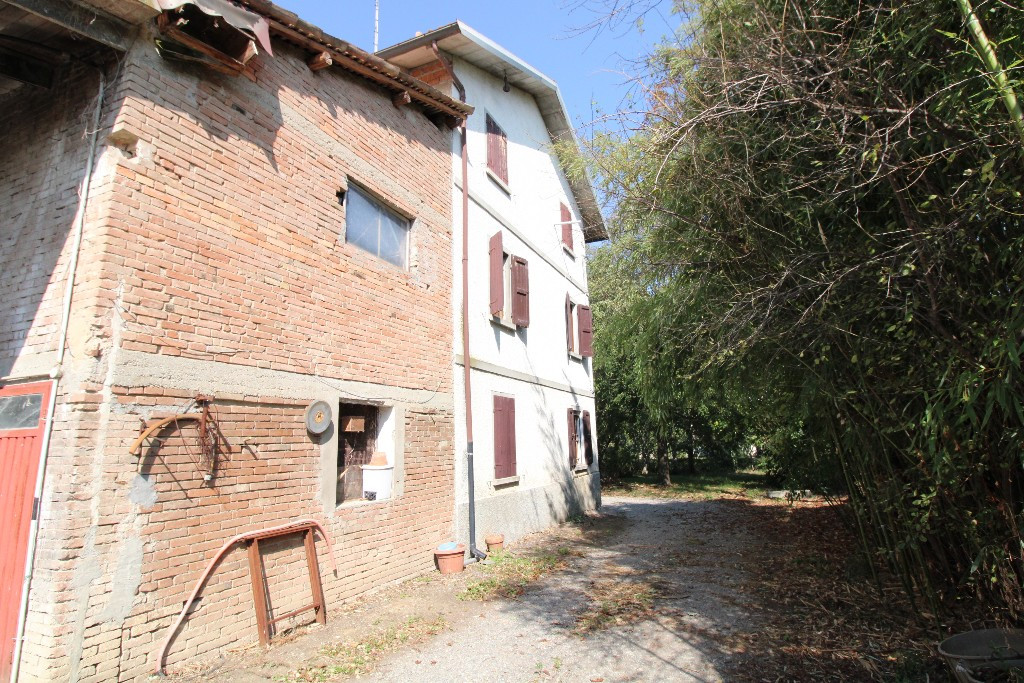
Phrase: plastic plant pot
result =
(450, 560)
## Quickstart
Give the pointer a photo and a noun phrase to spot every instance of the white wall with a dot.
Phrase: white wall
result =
(531, 364)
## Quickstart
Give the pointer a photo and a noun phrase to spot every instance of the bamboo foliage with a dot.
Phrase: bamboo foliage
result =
(819, 208)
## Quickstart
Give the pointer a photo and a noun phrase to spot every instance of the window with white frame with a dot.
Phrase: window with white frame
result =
(509, 285)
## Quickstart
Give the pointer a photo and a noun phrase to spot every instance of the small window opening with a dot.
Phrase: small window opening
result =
(373, 227)
(357, 442)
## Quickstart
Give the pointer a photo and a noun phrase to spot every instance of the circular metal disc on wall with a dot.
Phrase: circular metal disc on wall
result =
(318, 417)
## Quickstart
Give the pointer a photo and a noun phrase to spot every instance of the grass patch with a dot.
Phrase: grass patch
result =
(507, 575)
(353, 659)
(691, 487)
(614, 602)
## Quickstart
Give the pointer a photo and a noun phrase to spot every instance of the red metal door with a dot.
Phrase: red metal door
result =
(22, 423)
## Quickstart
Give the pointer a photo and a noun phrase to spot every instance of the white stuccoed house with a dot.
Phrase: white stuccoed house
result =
(534, 426)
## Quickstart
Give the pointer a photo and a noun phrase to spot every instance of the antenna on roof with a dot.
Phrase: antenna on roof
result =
(376, 23)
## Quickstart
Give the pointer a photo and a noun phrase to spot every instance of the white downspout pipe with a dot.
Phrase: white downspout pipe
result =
(55, 373)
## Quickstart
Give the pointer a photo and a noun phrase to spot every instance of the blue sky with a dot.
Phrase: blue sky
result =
(544, 33)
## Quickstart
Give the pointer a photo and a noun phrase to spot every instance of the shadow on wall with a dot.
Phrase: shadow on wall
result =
(551, 492)
(45, 145)
(568, 501)
(42, 133)
(254, 165)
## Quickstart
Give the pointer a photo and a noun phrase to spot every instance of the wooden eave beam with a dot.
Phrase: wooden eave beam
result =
(320, 61)
(401, 98)
(26, 69)
(80, 19)
(380, 72)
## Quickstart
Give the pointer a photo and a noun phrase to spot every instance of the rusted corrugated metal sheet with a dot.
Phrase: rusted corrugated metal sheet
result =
(20, 444)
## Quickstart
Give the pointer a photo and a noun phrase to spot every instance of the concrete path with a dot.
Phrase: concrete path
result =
(690, 553)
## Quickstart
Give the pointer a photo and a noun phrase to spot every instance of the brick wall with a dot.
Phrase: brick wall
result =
(42, 135)
(214, 238)
(433, 73)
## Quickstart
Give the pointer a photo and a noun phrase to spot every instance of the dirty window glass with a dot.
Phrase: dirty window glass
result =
(20, 412)
(371, 226)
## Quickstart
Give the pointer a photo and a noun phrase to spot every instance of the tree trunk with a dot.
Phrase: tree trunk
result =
(691, 457)
(666, 478)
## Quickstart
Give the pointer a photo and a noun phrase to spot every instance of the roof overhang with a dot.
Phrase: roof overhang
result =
(289, 27)
(463, 42)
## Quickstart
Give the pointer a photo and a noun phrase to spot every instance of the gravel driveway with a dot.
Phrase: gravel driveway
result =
(687, 552)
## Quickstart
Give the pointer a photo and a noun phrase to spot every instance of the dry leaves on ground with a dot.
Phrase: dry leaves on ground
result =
(822, 616)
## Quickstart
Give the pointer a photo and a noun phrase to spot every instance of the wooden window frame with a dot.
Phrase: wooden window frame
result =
(371, 425)
(566, 223)
(580, 439)
(505, 461)
(509, 278)
(497, 152)
(579, 329)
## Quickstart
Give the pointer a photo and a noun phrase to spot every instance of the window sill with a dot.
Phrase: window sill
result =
(581, 472)
(504, 323)
(506, 481)
(575, 356)
(361, 502)
(569, 251)
(502, 185)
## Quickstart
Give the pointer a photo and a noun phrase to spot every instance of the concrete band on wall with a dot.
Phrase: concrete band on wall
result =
(491, 368)
(139, 369)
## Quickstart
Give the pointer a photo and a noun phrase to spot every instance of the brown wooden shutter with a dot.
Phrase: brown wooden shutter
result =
(586, 321)
(572, 439)
(520, 292)
(497, 150)
(570, 336)
(497, 258)
(500, 438)
(588, 443)
(504, 437)
(566, 227)
(510, 430)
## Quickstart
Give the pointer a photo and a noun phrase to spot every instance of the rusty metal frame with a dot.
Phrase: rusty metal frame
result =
(259, 590)
(208, 437)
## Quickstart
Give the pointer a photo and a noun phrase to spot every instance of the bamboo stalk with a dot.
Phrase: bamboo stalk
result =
(987, 51)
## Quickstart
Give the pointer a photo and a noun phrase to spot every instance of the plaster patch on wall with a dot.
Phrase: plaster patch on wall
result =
(143, 492)
(126, 580)
(86, 573)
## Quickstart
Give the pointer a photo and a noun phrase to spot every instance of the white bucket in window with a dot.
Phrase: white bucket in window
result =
(378, 477)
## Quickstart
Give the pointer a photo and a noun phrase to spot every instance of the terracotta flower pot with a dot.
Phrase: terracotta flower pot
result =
(451, 561)
(494, 542)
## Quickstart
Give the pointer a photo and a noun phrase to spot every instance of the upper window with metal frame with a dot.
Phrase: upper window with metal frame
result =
(372, 226)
